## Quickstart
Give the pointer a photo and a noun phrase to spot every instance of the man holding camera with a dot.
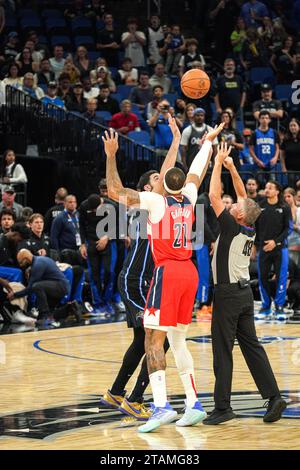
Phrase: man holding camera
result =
(160, 124)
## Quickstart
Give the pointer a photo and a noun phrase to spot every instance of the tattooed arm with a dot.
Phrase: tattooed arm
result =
(116, 190)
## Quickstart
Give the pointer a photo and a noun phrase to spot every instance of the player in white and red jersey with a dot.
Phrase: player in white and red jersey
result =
(174, 284)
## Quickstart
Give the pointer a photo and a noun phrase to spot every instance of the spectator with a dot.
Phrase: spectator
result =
(45, 75)
(125, 121)
(75, 100)
(160, 78)
(36, 55)
(8, 251)
(8, 201)
(7, 220)
(227, 201)
(95, 10)
(57, 62)
(190, 56)
(252, 190)
(232, 137)
(53, 212)
(188, 118)
(254, 52)
(26, 63)
(191, 139)
(12, 173)
(253, 13)
(154, 35)
(76, 9)
(158, 92)
(238, 37)
(109, 41)
(11, 47)
(65, 233)
(46, 281)
(289, 195)
(38, 243)
(230, 90)
(290, 147)
(90, 113)
(88, 90)
(30, 88)
(162, 132)
(142, 94)
(103, 77)
(26, 214)
(245, 156)
(51, 96)
(71, 70)
(13, 77)
(127, 75)
(266, 32)
(283, 61)
(82, 61)
(180, 106)
(106, 102)
(264, 147)
(224, 15)
(274, 107)
(173, 48)
(38, 46)
(133, 42)
(100, 62)
(64, 86)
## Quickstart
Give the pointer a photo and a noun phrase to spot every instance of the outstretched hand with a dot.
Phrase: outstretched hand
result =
(211, 135)
(174, 128)
(228, 163)
(110, 141)
(223, 152)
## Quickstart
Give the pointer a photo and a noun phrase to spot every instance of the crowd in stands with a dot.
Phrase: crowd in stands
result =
(128, 77)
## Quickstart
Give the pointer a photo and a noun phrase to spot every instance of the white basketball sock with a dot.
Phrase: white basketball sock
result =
(159, 389)
(188, 381)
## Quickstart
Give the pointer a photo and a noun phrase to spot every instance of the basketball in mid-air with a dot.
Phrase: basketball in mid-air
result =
(195, 83)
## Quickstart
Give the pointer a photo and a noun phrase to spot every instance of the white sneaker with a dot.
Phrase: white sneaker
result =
(34, 312)
(20, 317)
(192, 416)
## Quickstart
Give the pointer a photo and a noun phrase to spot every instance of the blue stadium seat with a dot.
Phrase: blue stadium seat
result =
(55, 24)
(27, 13)
(239, 126)
(61, 40)
(94, 55)
(30, 23)
(117, 96)
(175, 82)
(124, 91)
(81, 25)
(87, 41)
(262, 75)
(100, 25)
(141, 137)
(51, 13)
(171, 97)
(106, 115)
(114, 71)
(283, 92)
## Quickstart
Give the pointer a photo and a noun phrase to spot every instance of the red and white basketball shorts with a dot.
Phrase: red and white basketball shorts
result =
(171, 295)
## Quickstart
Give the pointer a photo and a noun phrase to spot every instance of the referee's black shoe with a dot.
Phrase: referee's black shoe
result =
(276, 406)
(219, 416)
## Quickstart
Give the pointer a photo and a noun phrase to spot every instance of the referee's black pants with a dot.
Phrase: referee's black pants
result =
(233, 317)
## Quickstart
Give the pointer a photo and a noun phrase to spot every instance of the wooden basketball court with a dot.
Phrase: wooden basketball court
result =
(51, 382)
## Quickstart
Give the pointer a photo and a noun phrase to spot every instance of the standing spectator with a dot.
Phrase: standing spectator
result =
(53, 212)
(245, 156)
(190, 56)
(30, 88)
(254, 52)
(103, 77)
(268, 103)
(266, 32)
(90, 113)
(75, 100)
(160, 78)
(154, 35)
(57, 62)
(158, 92)
(290, 147)
(173, 48)
(65, 233)
(95, 10)
(7, 220)
(13, 77)
(133, 42)
(45, 75)
(294, 237)
(188, 117)
(76, 9)
(109, 41)
(106, 102)
(82, 61)
(38, 243)
(238, 37)
(64, 86)
(11, 48)
(125, 121)
(127, 75)
(26, 63)
(232, 137)
(142, 94)
(230, 90)
(162, 132)
(264, 148)
(272, 232)
(253, 13)
(51, 96)
(224, 14)
(191, 139)
(252, 190)
(283, 61)
(8, 201)
(88, 90)
(12, 173)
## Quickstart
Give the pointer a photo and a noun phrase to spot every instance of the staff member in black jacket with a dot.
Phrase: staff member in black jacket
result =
(271, 243)
(233, 311)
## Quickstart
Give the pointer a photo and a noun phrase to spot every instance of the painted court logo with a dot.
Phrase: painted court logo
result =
(49, 423)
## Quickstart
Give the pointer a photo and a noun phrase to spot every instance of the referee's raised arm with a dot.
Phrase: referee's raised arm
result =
(215, 194)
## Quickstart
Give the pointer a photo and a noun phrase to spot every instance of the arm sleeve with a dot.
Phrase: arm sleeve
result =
(287, 217)
(200, 160)
(153, 203)
(191, 192)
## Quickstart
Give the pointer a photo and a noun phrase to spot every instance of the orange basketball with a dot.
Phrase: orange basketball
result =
(195, 83)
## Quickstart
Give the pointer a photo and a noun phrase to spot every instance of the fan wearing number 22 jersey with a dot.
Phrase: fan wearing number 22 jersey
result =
(174, 284)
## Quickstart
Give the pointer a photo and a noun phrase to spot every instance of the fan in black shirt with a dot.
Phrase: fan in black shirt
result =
(108, 41)
(290, 147)
(38, 243)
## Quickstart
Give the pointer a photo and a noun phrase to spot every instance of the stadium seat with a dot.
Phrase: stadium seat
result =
(53, 25)
(100, 25)
(51, 13)
(239, 126)
(87, 41)
(124, 91)
(141, 137)
(30, 23)
(61, 40)
(262, 75)
(283, 92)
(81, 25)
(171, 97)
(114, 71)
(117, 96)
(27, 13)
(106, 115)
(10, 23)
(94, 55)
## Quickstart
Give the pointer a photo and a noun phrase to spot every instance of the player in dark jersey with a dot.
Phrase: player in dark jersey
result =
(134, 281)
(174, 284)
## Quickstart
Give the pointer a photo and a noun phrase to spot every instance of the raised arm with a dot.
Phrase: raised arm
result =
(215, 188)
(116, 190)
(238, 184)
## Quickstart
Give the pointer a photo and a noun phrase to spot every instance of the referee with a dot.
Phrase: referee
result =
(233, 315)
